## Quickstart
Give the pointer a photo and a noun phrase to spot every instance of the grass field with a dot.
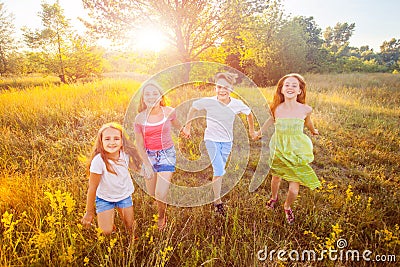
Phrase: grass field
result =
(46, 133)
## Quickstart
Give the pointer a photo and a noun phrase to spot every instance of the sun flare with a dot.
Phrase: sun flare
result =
(149, 39)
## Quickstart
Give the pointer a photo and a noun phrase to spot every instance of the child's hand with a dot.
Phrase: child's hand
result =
(257, 135)
(315, 132)
(87, 219)
(186, 131)
(147, 171)
(253, 135)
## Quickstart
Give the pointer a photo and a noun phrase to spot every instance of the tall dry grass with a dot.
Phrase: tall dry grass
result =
(46, 133)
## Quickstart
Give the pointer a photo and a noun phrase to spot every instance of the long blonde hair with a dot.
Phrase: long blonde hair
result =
(127, 146)
(142, 106)
(279, 98)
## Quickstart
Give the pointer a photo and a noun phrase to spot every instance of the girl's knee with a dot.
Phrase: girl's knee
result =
(294, 188)
(107, 231)
(160, 195)
(276, 179)
(130, 226)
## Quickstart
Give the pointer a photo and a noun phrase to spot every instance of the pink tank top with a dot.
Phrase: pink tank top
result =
(157, 136)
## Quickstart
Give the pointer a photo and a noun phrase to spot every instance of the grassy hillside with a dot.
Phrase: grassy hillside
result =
(47, 131)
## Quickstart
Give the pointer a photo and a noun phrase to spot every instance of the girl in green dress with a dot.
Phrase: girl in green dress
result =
(291, 150)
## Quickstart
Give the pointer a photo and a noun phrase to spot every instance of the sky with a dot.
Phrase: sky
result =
(376, 20)
(26, 12)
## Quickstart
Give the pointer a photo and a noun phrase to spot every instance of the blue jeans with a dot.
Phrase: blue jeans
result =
(218, 153)
(103, 205)
(163, 160)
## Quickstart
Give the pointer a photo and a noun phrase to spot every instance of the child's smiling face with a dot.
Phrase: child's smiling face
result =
(151, 96)
(223, 89)
(291, 88)
(112, 141)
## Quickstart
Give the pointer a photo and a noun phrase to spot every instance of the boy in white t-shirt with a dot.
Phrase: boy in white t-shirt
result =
(218, 136)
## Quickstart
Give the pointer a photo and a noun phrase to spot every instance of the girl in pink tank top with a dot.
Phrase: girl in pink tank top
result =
(155, 145)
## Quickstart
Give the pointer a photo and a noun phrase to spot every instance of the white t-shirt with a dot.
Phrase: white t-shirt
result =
(220, 117)
(113, 187)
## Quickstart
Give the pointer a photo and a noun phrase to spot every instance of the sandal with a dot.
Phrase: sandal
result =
(271, 203)
(289, 216)
(219, 208)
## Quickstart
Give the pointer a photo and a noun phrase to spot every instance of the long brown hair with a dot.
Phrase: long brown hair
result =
(279, 98)
(142, 106)
(127, 146)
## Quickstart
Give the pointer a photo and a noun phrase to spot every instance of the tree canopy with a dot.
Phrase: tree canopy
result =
(253, 36)
(61, 51)
(7, 43)
(192, 25)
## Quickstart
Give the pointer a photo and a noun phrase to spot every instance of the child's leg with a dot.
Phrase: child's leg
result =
(292, 194)
(218, 153)
(162, 185)
(127, 216)
(151, 185)
(217, 185)
(161, 191)
(105, 219)
(275, 183)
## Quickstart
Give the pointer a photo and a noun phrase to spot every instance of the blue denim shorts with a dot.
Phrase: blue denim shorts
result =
(162, 160)
(218, 153)
(103, 205)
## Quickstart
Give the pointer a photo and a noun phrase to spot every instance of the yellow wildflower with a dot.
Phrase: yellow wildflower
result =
(7, 219)
(349, 193)
(42, 240)
(50, 220)
(86, 261)
(69, 203)
(369, 201)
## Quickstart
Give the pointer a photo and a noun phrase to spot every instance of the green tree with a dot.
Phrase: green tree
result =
(313, 36)
(337, 38)
(389, 54)
(293, 51)
(367, 53)
(52, 39)
(7, 43)
(83, 61)
(34, 62)
(270, 46)
(253, 48)
(336, 46)
(56, 49)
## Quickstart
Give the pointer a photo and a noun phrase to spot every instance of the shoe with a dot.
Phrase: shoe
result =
(219, 208)
(289, 216)
(162, 226)
(271, 203)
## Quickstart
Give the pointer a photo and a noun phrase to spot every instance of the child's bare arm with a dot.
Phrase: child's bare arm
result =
(176, 123)
(94, 180)
(266, 125)
(188, 124)
(250, 122)
(308, 123)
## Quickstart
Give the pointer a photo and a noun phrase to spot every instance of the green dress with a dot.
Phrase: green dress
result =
(291, 152)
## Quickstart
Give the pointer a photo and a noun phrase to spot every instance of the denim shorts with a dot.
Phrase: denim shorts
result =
(163, 160)
(103, 205)
(218, 153)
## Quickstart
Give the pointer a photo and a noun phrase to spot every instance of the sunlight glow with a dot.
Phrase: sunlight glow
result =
(149, 39)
